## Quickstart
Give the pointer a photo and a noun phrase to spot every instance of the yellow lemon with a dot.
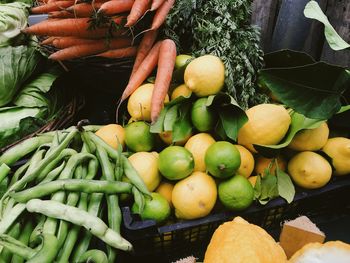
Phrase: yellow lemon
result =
(181, 90)
(139, 103)
(198, 146)
(146, 164)
(113, 134)
(252, 180)
(338, 149)
(263, 163)
(309, 170)
(194, 196)
(267, 124)
(205, 75)
(247, 161)
(311, 139)
(166, 190)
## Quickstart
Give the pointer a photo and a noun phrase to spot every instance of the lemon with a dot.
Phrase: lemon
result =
(247, 161)
(166, 190)
(222, 159)
(156, 208)
(263, 163)
(338, 149)
(112, 134)
(139, 103)
(205, 75)
(198, 146)
(252, 180)
(181, 90)
(138, 137)
(175, 162)
(311, 139)
(203, 118)
(236, 193)
(167, 138)
(267, 124)
(309, 170)
(181, 60)
(146, 164)
(194, 196)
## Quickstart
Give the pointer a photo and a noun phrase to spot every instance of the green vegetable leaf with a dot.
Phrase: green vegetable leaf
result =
(312, 10)
(299, 122)
(287, 58)
(313, 90)
(286, 188)
(183, 127)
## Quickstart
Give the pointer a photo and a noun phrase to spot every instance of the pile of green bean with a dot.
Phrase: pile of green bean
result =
(53, 204)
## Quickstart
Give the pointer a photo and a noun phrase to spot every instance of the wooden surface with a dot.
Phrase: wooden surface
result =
(283, 25)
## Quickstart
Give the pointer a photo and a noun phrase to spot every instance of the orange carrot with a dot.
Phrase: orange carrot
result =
(88, 49)
(48, 41)
(61, 14)
(145, 46)
(50, 7)
(138, 9)
(64, 42)
(84, 9)
(166, 63)
(119, 53)
(161, 14)
(78, 27)
(156, 4)
(146, 67)
(116, 7)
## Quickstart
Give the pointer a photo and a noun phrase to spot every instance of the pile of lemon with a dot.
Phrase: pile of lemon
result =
(202, 173)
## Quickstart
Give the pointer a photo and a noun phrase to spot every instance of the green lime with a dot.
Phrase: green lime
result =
(203, 118)
(138, 137)
(222, 159)
(175, 162)
(157, 208)
(181, 61)
(236, 193)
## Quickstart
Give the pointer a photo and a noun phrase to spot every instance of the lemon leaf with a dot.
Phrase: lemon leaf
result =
(171, 117)
(268, 188)
(183, 126)
(286, 188)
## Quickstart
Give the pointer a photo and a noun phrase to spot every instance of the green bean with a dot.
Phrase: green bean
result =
(48, 250)
(9, 205)
(34, 238)
(79, 217)
(88, 128)
(14, 232)
(93, 255)
(19, 172)
(11, 217)
(139, 199)
(4, 171)
(113, 153)
(31, 176)
(54, 173)
(86, 139)
(23, 238)
(16, 247)
(17, 152)
(74, 185)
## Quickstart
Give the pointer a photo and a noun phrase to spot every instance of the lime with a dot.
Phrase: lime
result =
(181, 60)
(138, 137)
(222, 159)
(157, 208)
(175, 162)
(236, 193)
(203, 118)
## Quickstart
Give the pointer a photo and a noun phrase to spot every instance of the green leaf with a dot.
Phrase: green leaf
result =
(287, 58)
(171, 117)
(313, 90)
(157, 127)
(312, 10)
(286, 188)
(299, 122)
(268, 187)
(344, 109)
(183, 127)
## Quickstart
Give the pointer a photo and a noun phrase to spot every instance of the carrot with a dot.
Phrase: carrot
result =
(64, 42)
(138, 9)
(119, 53)
(146, 67)
(116, 7)
(161, 14)
(84, 9)
(166, 63)
(61, 14)
(88, 49)
(48, 41)
(50, 7)
(156, 4)
(145, 46)
(78, 27)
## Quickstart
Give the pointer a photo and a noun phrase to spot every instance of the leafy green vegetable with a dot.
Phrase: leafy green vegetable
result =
(312, 10)
(313, 90)
(299, 122)
(17, 64)
(286, 188)
(13, 18)
(222, 28)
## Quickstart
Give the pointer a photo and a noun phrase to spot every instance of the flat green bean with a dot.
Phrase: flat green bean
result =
(16, 247)
(11, 217)
(23, 238)
(93, 255)
(54, 173)
(19, 172)
(4, 171)
(34, 238)
(48, 250)
(79, 217)
(14, 232)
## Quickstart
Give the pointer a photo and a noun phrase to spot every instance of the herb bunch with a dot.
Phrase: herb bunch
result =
(221, 28)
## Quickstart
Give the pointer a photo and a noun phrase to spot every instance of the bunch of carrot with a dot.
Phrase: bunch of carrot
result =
(77, 28)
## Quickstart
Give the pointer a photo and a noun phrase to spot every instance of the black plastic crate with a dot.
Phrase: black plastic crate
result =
(180, 239)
